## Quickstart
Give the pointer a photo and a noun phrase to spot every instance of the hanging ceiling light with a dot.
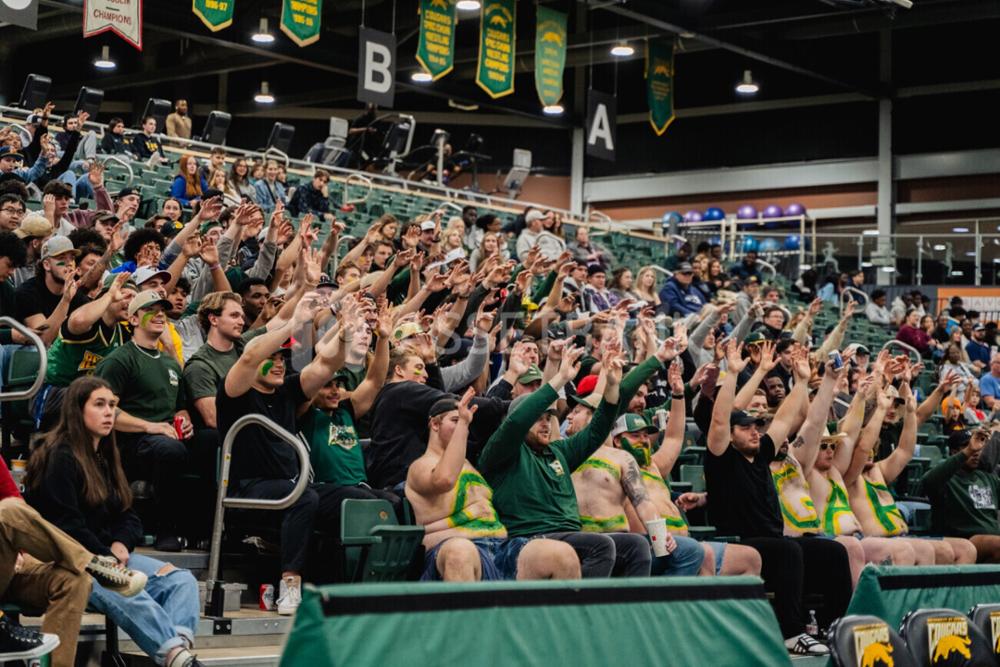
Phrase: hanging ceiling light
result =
(263, 35)
(467, 5)
(104, 61)
(264, 95)
(421, 76)
(622, 50)
(553, 109)
(747, 86)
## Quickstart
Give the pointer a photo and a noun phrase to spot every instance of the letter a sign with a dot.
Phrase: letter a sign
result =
(122, 17)
(602, 125)
(376, 67)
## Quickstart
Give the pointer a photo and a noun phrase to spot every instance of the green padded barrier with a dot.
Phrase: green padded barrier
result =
(723, 621)
(891, 592)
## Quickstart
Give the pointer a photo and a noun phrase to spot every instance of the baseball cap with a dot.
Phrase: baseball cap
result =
(893, 393)
(979, 327)
(586, 385)
(205, 226)
(859, 349)
(405, 330)
(533, 214)
(58, 245)
(442, 405)
(106, 217)
(589, 401)
(742, 418)
(34, 225)
(109, 278)
(146, 299)
(631, 423)
(533, 374)
(8, 152)
(427, 225)
(146, 273)
(684, 267)
(130, 190)
(755, 338)
(521, 399)
(959, 439)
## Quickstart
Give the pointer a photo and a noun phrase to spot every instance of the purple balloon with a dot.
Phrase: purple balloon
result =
(773, 211)
(795, 209)
(746, 212)
(692, 216)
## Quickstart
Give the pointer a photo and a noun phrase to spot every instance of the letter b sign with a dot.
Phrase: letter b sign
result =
(376, 67)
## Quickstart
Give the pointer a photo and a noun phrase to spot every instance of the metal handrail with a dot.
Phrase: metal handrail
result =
(280, 153)
(768, 265)
(222, 502)
(667, 273)
(909, 349)
(356, 179)
(124, 163)
(844, 291)
(42, 361)
(335, 255)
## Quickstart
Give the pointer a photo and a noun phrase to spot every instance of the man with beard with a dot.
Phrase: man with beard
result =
(867, 485)
(45, 301)
(745, 503)
(530, 471)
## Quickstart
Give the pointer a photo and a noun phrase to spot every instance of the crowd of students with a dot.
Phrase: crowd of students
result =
(529, 410)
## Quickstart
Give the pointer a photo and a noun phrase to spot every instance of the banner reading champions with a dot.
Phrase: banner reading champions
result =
(300, 20)
(436, 47)
(660, 83)
(497, 40)
(550, 55)
(215, 14)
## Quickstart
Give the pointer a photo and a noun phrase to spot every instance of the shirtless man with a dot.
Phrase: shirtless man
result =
(465, 540)
(867, 483)
(720, 558)
(829, 494)
(793, 463)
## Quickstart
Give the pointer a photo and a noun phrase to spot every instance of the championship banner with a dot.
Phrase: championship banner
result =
(436, 47)
(22, 13)
(660, 83)
(215, 14)
(550, 55)
(497, 39)
(122, 17)
(300, 20)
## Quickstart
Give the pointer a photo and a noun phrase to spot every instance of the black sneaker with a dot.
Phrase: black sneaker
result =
(170, 543)
(20, 643)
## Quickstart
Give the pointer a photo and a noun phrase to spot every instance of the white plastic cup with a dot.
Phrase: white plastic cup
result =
(657, 531)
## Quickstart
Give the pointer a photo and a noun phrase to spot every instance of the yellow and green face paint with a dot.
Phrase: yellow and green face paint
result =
(639, 450)
(266, 368)
(146, 318)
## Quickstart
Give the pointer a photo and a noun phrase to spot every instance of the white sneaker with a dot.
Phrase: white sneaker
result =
(289, 595)
(806, 644)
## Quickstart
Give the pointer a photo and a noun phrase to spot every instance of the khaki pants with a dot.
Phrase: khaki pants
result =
(52, 576)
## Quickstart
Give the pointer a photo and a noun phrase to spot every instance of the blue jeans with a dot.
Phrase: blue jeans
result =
(161, 617)
(685, 561)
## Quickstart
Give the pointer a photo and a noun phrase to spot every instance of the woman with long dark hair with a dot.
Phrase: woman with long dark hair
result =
(76, 481)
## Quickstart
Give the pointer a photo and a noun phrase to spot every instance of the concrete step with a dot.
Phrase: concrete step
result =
(245, 656)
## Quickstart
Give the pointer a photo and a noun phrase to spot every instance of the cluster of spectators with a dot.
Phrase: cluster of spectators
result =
(529, 408)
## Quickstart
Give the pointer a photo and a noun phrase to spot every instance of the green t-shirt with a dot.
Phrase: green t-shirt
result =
(532, 491)
(72, 356)
(334, 448)
(352, 376)
(147, 382)
(207, 366)
(963, 502)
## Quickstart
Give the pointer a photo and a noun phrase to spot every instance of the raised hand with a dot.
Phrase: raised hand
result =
(210, 208)
(209, 253)
(192, 246)
(466, 411)
(675, 379)
(115, 291)
(518, 363)
(570, 366)
(815, 307)
(734, 357)
(667, 351)
(768, 358)
(96, 175)
(800, 365)
(305, 309)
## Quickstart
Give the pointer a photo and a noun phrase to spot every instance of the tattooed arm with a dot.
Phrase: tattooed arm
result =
(636, 490)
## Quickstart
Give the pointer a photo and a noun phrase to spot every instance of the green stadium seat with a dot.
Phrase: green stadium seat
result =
(695, 474)
(376, 547)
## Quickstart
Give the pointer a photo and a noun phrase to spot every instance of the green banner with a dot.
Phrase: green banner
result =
(300, 20)
(215, 14)
(436, 48)
(550, 55)
(497, 41)
(660, 83)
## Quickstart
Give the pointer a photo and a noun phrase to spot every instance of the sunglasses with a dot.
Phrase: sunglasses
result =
(823, 446)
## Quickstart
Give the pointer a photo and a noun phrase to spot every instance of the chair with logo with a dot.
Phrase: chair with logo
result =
(945, 638)
(986, 617)
(867, 641)
(376, 547)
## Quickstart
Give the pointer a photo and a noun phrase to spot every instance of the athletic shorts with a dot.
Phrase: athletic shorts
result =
(497, 558)
(684, 561)
(719, 549)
